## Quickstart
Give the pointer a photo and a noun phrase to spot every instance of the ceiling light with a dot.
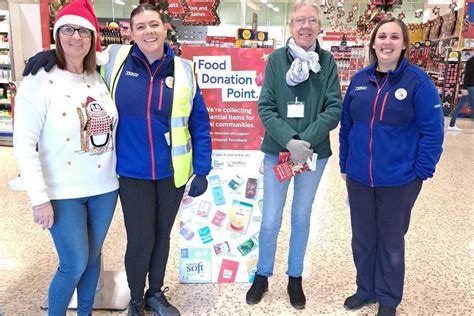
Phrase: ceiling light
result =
(270, 5)
(120, 2)
(253, 6)
(276, 9)
(263, 1)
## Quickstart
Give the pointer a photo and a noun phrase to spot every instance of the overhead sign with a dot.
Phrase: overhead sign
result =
(176, 9)
(201, 12)
(251, 35)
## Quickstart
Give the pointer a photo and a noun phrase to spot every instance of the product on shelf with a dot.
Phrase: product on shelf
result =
(110, 35)
(450, 84)
(349, 60)
(436, 27)
(449, 24)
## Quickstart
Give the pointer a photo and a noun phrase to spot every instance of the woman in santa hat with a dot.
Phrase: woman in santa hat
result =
(163, 143)
(71, 178)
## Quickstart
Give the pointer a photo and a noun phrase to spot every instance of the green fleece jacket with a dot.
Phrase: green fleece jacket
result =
(321, 94)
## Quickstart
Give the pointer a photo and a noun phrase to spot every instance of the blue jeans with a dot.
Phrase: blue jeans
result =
(274, 197)
(469, 99)
(79, 230)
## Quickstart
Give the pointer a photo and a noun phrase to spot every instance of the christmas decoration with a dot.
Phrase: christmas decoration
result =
(385, 5)
(334, 14)
(54, 7)
(344, 40)
(419, 13)
(199, 12)
(453, 5)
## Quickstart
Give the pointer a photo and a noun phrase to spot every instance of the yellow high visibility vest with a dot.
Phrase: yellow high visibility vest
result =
(184, 90)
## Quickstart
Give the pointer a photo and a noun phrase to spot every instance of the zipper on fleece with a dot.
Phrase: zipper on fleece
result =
(160, 102)
(383, 106)
(374, 108)
(148, 112)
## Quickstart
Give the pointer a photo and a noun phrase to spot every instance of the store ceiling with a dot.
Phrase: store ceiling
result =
(122, 8)
(408, 7)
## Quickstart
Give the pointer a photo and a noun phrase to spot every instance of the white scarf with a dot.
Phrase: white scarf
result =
(303, 62)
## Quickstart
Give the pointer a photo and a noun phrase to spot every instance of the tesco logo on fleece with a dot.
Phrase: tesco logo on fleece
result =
(215, 72)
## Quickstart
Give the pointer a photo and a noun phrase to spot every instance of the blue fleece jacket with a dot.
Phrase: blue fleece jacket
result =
(391, 132)
(144, 100)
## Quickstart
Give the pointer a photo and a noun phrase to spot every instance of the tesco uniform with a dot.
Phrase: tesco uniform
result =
(390, 140)
(162, 140)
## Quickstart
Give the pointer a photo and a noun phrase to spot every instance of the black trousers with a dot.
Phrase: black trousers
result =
(380, 218)
(149, 209)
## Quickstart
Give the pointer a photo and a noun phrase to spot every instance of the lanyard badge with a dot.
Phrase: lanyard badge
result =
(295, 109)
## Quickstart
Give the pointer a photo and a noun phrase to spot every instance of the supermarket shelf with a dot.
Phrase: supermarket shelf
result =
(443, 39)
(431, 72)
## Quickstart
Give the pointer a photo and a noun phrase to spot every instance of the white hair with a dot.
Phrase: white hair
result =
(301, 3)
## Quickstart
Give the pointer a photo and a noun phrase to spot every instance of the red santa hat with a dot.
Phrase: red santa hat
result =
(81, 12)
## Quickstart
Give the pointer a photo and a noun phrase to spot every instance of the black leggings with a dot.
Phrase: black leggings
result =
(149, 209)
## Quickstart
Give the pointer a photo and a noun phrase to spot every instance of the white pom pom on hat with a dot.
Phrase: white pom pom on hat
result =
(81, 12)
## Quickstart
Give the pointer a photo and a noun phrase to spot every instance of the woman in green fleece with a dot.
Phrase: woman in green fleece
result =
(300, 103)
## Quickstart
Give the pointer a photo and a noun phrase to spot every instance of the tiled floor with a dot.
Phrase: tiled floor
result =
(439, 250)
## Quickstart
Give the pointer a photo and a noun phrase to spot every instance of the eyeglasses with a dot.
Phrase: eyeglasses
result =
(300, 21)
(69, 31)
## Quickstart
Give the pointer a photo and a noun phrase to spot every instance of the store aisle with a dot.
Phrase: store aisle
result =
(439, 253)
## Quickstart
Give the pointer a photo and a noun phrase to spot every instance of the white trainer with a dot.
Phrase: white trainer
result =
(454, 129)
(16, 184)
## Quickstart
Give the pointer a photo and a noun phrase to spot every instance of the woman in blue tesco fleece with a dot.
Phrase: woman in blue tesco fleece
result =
(391, 138)
(162, 140)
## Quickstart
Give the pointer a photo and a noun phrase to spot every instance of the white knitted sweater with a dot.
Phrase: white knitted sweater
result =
(73, 120)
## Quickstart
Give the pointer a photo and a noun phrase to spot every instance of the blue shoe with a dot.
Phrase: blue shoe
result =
(386, 311)
(136, 308)
(354, 302)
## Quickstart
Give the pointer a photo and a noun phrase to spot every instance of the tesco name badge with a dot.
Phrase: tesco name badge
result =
(401, 94)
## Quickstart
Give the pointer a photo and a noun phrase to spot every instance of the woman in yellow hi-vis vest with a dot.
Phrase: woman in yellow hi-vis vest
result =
(163, 139)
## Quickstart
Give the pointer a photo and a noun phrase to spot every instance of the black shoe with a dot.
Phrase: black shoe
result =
(255, 293)
(136, 308)
(159, 304)
(386, 311)
(295, 291)
(354, 302)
